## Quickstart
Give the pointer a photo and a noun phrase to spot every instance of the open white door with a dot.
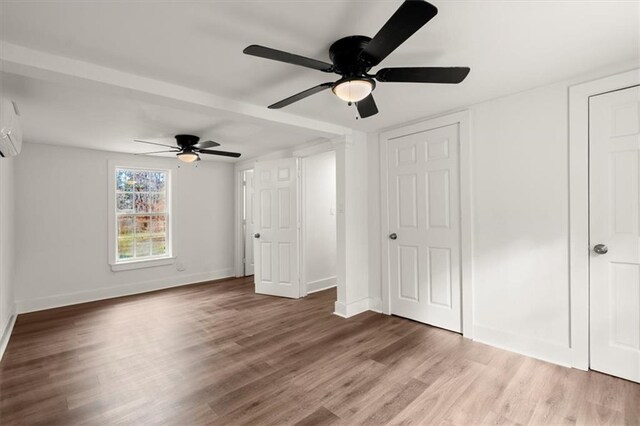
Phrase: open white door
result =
(424, 226)
(614, 181)
(248, 223)
(276, 228)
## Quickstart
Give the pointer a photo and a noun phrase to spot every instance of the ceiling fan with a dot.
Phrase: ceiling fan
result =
(189, 147)
(352, 57)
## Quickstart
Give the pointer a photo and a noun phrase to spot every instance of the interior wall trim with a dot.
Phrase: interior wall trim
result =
(109, 292)
(320, 285)
(6, 334)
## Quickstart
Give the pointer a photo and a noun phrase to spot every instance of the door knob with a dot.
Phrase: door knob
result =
(393, 236)
(600, 249)
(256, 235)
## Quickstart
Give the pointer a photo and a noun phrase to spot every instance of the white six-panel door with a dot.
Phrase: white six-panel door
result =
(248, 223)
(276, 224)
(424, 226)
(614, 181)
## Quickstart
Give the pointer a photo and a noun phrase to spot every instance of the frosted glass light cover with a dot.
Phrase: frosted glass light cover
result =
(353, 90)
(188, 157)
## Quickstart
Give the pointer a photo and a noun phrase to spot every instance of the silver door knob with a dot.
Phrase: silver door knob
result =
(393, 236)
(256, 235)
(600, 249)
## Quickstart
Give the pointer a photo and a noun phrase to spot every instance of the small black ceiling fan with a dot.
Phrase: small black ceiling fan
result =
(352, 57)
(189, 147)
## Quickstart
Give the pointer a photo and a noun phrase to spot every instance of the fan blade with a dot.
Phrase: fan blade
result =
(299, 96)
(452, 75)
(289, 58)
(367, 107)
(223, 153)
(206, 144)
(155, 143)
(409, 18)
(156, 152)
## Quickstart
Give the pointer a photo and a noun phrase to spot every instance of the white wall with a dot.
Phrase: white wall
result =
(520, 213)
(520, 222)
(7, 242)
(319, 221)
(62, 219)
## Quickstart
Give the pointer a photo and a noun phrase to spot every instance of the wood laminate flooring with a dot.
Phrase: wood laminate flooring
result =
(217, 353)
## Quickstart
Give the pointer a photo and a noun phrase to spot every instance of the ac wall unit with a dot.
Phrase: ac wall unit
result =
(10, 131)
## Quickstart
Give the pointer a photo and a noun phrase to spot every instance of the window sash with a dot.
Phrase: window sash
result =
(153, 237)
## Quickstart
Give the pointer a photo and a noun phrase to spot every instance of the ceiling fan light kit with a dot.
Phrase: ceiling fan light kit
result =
(353, 57)
(353, 89)
(188, 157)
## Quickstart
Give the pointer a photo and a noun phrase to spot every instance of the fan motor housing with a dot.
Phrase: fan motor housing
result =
(186, 140)
(344, 54)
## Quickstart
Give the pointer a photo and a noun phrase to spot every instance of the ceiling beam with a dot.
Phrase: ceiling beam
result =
(45, 66)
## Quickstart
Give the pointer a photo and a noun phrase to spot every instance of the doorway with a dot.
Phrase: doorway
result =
(614, 230)
(247, 222)
(426, 222)
(582, 238)
(318, 217)
(290, 220)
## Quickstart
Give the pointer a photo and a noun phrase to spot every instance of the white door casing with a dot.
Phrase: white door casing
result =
(276, 221)
(614, 182)
(248, 219)
(424, 213)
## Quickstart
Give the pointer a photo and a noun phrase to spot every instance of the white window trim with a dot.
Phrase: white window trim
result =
(142, 164)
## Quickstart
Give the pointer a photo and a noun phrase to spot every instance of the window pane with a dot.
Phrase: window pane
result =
(143, 246)
(142, 203)
(124, 180)
(158, 246)
(125, 202)
(125, 247)
(157, 181)
(125, 226)
(142, 225)
(158, 225)
(142, 181)
(156, 202)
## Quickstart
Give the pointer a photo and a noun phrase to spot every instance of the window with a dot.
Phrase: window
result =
(141, 216)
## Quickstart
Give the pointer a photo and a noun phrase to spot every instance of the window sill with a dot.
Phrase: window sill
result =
(139, 264)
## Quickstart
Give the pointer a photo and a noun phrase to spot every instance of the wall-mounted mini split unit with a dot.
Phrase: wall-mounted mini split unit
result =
(10, 131)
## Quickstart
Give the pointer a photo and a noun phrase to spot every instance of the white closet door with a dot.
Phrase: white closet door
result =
(614, 175)
(424, 222)
(276, 228)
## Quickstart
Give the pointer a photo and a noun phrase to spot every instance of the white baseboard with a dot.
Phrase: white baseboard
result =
(355, 308)
(375, 305)
(42, 303)
(319, 285)
(6, 334)
(535, 348)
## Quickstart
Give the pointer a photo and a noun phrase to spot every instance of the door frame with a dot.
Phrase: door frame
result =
(462, 119)
(579, 206)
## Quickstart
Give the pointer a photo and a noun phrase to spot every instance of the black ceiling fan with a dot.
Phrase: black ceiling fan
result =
(189, 147)
(352, 57)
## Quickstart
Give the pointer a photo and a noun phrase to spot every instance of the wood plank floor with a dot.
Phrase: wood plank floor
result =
(219, 354)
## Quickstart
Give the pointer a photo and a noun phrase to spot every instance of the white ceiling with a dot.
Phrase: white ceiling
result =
(509, 45)
(58, 114)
